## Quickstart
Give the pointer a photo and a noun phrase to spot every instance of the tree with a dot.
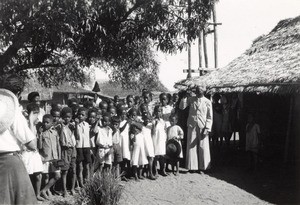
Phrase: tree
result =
(57, 40)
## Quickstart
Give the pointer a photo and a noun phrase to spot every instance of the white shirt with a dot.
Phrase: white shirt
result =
(19, 133)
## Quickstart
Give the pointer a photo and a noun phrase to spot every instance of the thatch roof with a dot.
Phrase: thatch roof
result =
(47, 93)
(272, 64)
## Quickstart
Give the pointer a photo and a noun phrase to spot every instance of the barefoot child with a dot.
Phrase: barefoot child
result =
(32, 159)
(68, 150)
(116, 141)
(83, 146)
(175, 132)
(50, 152)
(149, 149)
(104, 144)
(94, 129)
(159, 137)
(139, 158)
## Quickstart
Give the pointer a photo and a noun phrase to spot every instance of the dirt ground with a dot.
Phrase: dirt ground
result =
(228, 182)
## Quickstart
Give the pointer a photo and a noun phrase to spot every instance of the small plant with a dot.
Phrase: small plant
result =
(102, 189)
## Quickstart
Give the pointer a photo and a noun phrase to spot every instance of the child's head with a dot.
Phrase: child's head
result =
(56, 106)
(175, 97)
(105, 119)
(163, 99)
(33, 108)
(116, 99)
(146, 118)
(82, 114)
(122, 113)
(132, 114)
(72, 102)
(173, 119)
(99, 114)
(103, 105)
(157, 111)
(66, 114)
(34, 97)
(144, 108)
(115, 122)
(147, 97)
(112, 110)
(47, 121)
(129, 101)
(135, 127)
(88, 104)
(92, 116)
(55, 112)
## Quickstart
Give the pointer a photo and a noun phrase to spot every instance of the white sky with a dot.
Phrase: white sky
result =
(242, 22)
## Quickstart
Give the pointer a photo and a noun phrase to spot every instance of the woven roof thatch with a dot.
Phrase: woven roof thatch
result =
(47, 93)
(272, 64)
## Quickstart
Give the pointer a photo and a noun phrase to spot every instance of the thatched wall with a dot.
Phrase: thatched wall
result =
(272, 64)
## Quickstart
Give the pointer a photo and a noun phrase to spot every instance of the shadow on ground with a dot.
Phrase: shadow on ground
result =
(273, 182)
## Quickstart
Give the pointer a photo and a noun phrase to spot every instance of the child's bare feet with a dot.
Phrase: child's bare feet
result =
(44, 195)
(141, 177)
(49, 194)
(65, 194)
(152, 177)
(73, 192)
(176, 173)
(39, 198)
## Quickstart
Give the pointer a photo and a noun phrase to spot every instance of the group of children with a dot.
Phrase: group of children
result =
(128, 137)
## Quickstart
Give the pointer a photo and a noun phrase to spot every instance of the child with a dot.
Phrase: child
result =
(32, 159)
(166, 108)
(68, 150)
(55, 112)
(103, 105)
(159, 139)
(116, 143)
(147, 97)
(149, 149)
(252, 142)
(104, 144)
(175, 132)
(94, 128)
(112, 110)
(138, 153)
(129, 102)
(83, 146)
(125, 145)
(50, 151)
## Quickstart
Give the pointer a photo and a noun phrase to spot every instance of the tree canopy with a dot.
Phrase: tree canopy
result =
(57, 40)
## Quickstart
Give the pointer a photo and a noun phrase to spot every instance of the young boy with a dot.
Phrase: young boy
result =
(68, 150)
(83, 146)
(176, 133)
(94, 129)
(104, 144)
(50, 152)
(116, 142)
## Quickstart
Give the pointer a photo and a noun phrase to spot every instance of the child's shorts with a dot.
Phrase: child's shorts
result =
(118, 157)
(84, 155)
(68, 154)
(50, 168)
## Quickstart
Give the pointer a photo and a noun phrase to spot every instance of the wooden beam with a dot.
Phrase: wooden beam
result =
(288, 132)
(215, 36)
(205, 49)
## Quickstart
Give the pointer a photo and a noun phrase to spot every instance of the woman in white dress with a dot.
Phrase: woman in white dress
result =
(32, 159)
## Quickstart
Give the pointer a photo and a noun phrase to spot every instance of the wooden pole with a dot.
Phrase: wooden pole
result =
(215, 36)
(288, 132)
(189, 43)
(200, 52)
(205, 49)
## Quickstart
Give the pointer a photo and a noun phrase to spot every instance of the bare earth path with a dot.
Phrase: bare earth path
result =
(186, 189)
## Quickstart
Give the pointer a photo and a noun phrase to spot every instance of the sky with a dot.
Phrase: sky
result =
(242, 22)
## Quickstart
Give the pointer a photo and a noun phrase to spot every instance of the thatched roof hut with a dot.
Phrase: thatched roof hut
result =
(272, 64)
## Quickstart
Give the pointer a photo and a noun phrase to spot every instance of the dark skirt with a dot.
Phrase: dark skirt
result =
(16, 187)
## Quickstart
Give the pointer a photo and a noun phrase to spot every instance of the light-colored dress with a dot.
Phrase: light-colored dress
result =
(104, 138)
(175, 132)
(138, 157)
(125, 143)
(252, 140)
(149, 148)
(200, 118)
(166, 112)
(32, 159)
(159, 136)
(83, 132)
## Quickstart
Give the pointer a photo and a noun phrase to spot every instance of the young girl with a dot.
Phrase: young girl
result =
(116, 143)
(159, 139)
(129, 102)
(68, 150)
(32, 159)
(94, 129)
(175, 132)
(104, 144)
(149, 149)
(166, 108)
(252, 142)
(83, 146)
(138, 153)
(125, 145)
